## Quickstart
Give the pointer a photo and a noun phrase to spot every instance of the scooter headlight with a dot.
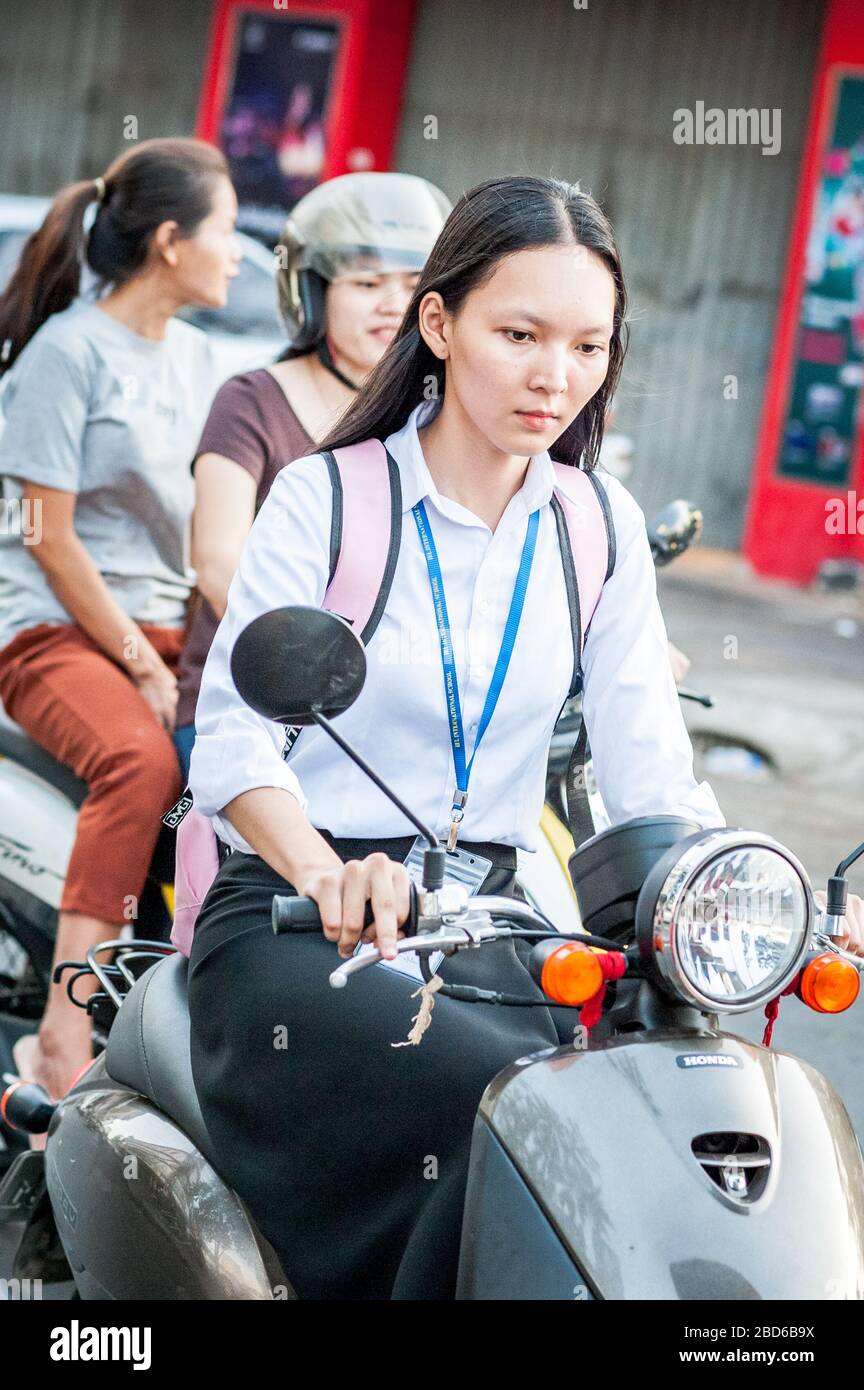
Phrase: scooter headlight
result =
(726, 919)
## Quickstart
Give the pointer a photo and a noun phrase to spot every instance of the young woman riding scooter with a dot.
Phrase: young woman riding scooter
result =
(352, 1153)
(104, 406)
(351, 253)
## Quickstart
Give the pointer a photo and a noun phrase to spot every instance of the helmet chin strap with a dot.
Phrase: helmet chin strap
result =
(326, 360)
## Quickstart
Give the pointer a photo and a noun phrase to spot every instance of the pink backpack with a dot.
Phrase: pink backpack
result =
(365, 535)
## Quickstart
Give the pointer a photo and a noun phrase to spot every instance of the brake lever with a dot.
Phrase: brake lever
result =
(445, 938)
(828, 943)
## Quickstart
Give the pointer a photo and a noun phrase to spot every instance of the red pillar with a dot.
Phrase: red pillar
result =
(808, 476)
(367, 82)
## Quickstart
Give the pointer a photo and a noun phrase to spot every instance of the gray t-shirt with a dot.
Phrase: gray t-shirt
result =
(93, 408)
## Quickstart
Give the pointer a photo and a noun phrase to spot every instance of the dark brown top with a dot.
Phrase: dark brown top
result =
(252, 423)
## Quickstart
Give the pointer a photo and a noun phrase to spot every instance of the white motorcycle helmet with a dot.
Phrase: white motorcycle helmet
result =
(386, 221)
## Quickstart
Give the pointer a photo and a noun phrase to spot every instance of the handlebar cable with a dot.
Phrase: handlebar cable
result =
(472, 994)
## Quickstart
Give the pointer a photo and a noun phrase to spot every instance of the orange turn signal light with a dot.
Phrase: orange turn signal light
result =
(571, 973)
(829, 984)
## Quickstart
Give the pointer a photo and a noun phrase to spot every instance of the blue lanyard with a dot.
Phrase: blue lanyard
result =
(451, 684)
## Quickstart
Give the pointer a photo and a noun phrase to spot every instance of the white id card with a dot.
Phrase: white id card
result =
(463, 866)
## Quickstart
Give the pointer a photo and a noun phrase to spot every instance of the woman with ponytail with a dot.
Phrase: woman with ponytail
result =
(104, 404)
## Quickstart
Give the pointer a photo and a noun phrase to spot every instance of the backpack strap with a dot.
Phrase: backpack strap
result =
(336, 515)
(603, 499)
(586, 535)
(365, 534)
(572, 585)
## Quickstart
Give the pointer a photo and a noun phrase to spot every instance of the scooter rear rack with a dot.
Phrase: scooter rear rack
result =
(132, 957)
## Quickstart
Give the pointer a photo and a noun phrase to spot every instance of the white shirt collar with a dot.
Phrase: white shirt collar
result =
(417, 482)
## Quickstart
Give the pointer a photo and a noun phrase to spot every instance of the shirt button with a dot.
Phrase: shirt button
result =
(484, 607)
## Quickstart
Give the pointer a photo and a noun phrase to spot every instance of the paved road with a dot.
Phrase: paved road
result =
(788, 681)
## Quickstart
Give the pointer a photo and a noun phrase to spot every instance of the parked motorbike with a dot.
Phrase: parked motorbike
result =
(575, 1148)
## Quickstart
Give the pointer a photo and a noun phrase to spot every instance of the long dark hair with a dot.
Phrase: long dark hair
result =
(156, 181)
(493, 220)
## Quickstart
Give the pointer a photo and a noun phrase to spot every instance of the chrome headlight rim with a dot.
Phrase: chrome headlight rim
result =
(663, 893)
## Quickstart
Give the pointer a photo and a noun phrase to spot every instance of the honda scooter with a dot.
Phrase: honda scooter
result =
(576, 1148)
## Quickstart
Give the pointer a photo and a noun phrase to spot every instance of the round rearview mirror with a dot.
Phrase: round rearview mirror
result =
(674, 529)
(294, 660)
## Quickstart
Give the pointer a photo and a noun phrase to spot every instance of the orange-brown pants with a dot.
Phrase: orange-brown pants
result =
(86, 711)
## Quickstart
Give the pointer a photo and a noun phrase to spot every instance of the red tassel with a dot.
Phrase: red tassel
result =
(613, 964)
(772, 1009)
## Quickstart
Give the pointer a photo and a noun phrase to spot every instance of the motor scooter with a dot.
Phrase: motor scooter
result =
(576, 1148)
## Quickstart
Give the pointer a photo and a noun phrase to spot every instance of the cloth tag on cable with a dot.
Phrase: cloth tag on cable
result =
(423, 1017)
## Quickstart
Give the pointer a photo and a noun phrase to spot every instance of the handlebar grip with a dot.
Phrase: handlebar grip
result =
(27, 1107)
(295, 914)
(302, 914)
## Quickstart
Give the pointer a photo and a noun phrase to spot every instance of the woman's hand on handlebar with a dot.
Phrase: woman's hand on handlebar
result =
(342, 894)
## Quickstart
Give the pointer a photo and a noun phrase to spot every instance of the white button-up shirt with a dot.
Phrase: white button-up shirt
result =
(642, 755)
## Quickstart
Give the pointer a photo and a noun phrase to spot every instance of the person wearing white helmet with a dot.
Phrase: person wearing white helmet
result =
(350, 256)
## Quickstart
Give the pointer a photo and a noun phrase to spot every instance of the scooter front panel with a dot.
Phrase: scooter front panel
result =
(604, 1138)
(509, 1250)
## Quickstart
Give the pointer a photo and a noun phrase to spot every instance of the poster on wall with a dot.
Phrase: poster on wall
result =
(274, 125)
(820, 429)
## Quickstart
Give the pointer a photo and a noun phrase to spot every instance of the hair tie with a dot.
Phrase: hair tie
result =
(100, 189)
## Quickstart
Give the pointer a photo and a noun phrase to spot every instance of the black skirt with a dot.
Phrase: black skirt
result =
(351, 1154)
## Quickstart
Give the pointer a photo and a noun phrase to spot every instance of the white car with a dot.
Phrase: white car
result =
(245, 334)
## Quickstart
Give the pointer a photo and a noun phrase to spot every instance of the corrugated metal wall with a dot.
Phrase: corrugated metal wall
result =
(590, 95)
(72, 70)
(586, 94)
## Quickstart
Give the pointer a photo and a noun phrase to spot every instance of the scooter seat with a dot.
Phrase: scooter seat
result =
(149, 1047)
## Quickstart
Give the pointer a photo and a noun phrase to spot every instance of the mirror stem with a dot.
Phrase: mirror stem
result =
(835, 903)
(324, 723)
(840, 871)
(685, 693)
